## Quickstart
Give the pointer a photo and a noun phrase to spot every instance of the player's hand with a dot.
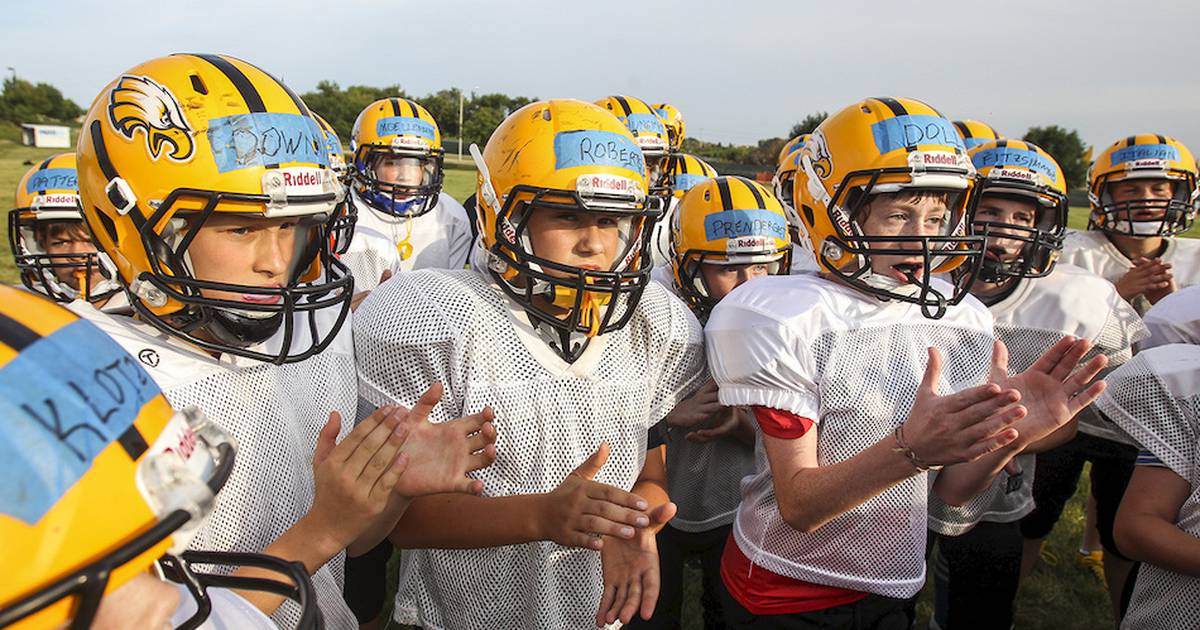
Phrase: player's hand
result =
(731, 422)
(962, 426)
(1148, 276)
(353, 480)
(1052, 390)
(358, 298)
(630, 569)
(697, 408)
(580, 511)
(440, 455)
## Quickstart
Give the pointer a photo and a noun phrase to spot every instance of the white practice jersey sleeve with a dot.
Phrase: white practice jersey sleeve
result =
(439, 239)
(1093, 251)
(852, 364)
(1155, 398)
(1175, 319)
(275, 412)
(459, 328)
(1029, 320)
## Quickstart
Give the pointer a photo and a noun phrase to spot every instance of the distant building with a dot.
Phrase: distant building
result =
(46, 136)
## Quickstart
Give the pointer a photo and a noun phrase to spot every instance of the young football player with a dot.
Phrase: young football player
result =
(563, 335)
(725, 231)
(1143, 193)
(1155, 398)
(676, 129)
(50, 244)
(216, 217)
(784, 182)
(1022, 212)
(404, 220)
(831, 528)
(102, 478)
(650, 134)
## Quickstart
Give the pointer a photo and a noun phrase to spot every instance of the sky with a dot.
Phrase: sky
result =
(739, 71)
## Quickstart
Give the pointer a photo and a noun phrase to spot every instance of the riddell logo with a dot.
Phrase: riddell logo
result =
(186, 445)
(610, 183)
(939, 159)
(302, 178)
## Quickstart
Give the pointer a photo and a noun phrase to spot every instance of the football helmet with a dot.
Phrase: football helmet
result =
(564, 155)
(685, 170)
(725, 221)
(401, 136)
(1144, 156)
(673, 120)
(785, 176)
(880, 146)
(1022, 171)
(182, 140)
(650, 134)
(790, 146)
(101, 476)
(341, 226)
(975, 133)
(47, 206)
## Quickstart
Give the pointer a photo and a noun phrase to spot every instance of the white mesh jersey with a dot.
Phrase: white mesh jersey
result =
(1175, 319)
(703, 478)
(1034, 316)
(440, 239)
(1094, 252)
(852, 363)
(275, 413)
(1155, 397)
(457, 327)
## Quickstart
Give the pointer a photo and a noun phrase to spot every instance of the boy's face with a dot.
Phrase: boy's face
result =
(721, 279)
(889, 215)
(401, 171)
(994, 209)
(588, 240)
(1132, 190)
(246, 250)
(67, 238)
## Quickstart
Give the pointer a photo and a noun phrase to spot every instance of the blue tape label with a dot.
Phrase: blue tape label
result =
(644, 123)
(404, 126)
(737, 223)
(64, 399)
(597, 148)
(912, 130)
(53, 179)
(971, 143)
(1145, 152)
(248, 140)
(1008, 156)
(685, 181)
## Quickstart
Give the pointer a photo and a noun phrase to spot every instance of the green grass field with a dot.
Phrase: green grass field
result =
(1061, 596)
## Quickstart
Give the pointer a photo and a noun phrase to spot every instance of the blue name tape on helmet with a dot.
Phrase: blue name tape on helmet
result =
(685, 181)
(1009, 156)
(53, 179)
(63, 399)
(405, 126)
(597, 148)
(911, 130)
(644, 123)
(971, 143)
(736, 223)
(1145, 152)
(247, 140)
(662, 113)
(333, 145)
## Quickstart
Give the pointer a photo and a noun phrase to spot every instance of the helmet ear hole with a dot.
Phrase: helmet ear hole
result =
(198, 84)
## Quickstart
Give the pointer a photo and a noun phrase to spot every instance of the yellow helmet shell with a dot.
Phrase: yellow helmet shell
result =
(685, 170)
(790, 146)
(50, 187)
(975, 133)
(649, 132)
(396, 123)
(333, 146)
(676, 129)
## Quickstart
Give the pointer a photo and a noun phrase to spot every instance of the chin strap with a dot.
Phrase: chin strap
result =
(591, 314)
(403, 246)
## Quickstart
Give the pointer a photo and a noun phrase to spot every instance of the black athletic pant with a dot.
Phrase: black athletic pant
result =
(873, 612)
(674, 549)
(976, 575)
(366, 581)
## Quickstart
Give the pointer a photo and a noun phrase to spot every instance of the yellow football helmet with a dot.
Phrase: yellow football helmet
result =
(685, 170)
(400, 131)
(176, 140)
(785, 174)
(564, 155)
(887, 146)
(975, 133)
(46, 209)
(1023, 171)
(1144, 156)
(673, 120)
(651, 136)
(790, 146)
(725, 221)
(341, 226)
(101, 476)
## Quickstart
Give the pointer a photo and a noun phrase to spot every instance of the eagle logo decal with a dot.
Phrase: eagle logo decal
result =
(140, 103)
